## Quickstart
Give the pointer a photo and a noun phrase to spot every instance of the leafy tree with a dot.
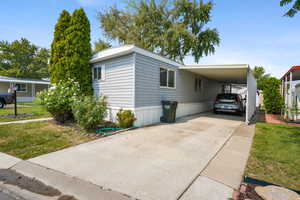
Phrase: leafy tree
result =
(172, 30)
(273, 100)
(79, 51)
(260, 76)
(100, 45)
(58, 60)
(294, 9)
(23, 59)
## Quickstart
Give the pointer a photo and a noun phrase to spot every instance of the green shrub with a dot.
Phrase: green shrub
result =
(273, 101)
(89, 112)
(59, 99)
(40, 97)
(125, 118)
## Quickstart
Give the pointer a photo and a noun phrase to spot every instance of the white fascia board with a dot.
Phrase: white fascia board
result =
(112, 53)
(127, 49)
(24, 81)
(225, 66)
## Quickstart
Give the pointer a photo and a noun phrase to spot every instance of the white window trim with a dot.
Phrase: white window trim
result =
(175, 74)
(103, 72)
(26, 87)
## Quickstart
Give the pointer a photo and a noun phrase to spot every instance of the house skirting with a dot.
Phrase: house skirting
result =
(25, 99)
(151, 114)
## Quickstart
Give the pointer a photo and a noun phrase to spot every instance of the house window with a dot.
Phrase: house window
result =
(196, 84)
(99, 72)
(200, 84)
(21, 87)
(167, 78)
(163, 77)
(171, 78)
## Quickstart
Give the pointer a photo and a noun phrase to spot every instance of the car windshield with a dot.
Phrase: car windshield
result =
(227, 96)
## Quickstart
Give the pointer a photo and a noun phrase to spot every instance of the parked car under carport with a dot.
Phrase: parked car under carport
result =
(231, 74)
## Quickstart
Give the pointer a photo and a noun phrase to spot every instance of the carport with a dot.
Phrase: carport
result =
(231, 74)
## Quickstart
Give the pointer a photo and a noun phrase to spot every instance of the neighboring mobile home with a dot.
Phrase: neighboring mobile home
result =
(136, 79)
(26, 88)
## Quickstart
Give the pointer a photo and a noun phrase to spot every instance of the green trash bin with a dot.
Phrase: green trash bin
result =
(169, 111)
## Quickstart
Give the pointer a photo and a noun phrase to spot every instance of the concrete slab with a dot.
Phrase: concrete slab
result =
(150, 163)
(232, 159)
(7, 161)
(206, 189)
(66, 184)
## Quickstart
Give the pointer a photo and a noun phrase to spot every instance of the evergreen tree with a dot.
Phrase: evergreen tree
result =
(79, 51)
(58, 59)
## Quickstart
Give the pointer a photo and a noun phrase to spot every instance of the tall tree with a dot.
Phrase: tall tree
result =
(100, 45)
(260, 76)
(294, 9)
(79, 51)
(172, 29)
(58, 60)
(23, 59)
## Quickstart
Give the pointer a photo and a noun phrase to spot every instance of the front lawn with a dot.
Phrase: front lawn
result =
(33, 139)
(37, 111)
(275, 155)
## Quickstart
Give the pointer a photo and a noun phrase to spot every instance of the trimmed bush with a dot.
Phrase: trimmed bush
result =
(273, 101)
(89, 112)
(59, 99)
(125, 118)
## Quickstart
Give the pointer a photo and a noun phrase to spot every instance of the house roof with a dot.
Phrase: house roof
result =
(230, 73)
(296, 73)
(127, 49)
(23, 80)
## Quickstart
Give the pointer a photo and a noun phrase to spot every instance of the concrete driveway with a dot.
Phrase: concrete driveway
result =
(157, 162)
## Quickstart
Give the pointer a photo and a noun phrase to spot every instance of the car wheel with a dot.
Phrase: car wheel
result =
(1, 104)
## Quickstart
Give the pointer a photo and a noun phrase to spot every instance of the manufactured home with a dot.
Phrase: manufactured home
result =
(136, 79)
(26, 88)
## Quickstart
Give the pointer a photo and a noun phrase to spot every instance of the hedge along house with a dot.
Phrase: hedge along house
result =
(26, 88)
(136, 79)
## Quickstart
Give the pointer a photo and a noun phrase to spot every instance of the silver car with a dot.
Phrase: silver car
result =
(231, 103)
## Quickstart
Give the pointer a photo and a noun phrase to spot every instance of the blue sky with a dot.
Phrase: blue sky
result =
(252, 31)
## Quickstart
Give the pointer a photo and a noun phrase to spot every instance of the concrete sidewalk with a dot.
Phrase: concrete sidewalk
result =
(67, 185)
(26, 121)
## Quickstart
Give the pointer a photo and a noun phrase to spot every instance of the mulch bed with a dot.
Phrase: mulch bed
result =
(274, 119)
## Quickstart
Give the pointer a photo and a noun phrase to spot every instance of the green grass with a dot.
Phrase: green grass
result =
(38, 111)
(33, 139)
(275, 155)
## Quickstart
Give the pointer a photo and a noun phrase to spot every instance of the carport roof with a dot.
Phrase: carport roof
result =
(234, 73)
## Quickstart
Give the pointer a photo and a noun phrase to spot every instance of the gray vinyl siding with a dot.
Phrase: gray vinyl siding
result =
(149, 93)
(118, 85)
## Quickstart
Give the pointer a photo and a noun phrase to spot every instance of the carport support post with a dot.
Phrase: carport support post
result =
(285, 97)
(282, 88)
(291, 96)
